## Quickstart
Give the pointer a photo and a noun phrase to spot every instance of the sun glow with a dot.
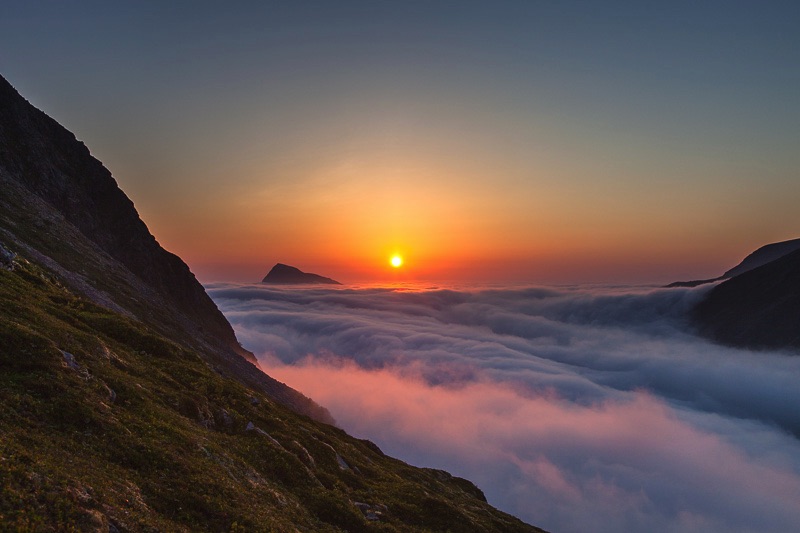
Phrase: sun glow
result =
(396, 261)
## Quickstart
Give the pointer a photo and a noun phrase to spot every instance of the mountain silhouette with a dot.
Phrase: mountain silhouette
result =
(762, 256)
(282, 274)
(759, 308)
(63, 206)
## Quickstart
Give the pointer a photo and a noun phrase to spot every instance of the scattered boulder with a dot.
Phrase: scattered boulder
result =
(259, 431)
(6, 258)
(339, 459)
(373, 513)
(71, 363)
(304, 455)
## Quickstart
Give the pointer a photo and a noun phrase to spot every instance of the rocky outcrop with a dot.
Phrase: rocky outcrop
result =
(282, 274)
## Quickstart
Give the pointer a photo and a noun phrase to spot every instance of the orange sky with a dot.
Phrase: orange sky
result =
(523, 141)
(450, 219)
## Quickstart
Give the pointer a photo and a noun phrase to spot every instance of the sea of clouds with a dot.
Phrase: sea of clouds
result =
(574, 408)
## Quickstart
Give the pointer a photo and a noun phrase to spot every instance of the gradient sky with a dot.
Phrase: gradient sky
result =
(496, 141)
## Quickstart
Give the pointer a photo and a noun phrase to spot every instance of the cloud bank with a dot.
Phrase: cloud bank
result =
(576, 409)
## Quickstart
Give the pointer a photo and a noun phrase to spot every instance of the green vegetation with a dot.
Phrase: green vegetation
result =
(105, 422)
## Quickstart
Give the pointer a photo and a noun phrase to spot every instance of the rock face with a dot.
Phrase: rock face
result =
(759, 308)
(62, 206)
(282, 274)
(762, 256)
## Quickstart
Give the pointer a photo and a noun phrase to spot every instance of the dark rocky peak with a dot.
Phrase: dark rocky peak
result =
(282, 274)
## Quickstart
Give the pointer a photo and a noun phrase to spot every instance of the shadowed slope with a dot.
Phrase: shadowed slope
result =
(757, 309)
(762, 256)
(62, 207)
(45, 158)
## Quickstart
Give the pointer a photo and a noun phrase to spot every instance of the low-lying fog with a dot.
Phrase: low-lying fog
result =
(576, 409)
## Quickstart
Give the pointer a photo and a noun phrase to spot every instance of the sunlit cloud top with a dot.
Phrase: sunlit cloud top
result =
(581, 409)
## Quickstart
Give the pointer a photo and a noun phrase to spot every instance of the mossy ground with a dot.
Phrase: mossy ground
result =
(106, 423)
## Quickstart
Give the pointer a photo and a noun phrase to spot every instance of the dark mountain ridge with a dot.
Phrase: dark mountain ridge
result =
(758, 308)
(282, 274)
(762, 256)
(126, 403)
(69, 202)
(45, 158)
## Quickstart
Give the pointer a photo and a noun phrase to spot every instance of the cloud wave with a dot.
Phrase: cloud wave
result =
(576, 408)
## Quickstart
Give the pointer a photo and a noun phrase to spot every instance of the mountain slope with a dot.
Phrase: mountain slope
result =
(125, 401)
(759, 308)
(46, 159)
(61, 206)
(110, 426)
(762, 256)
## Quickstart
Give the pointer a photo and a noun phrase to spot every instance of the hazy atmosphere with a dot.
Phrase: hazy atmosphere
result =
(527, 141)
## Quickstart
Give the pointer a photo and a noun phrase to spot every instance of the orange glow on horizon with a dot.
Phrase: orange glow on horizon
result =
(444, 223)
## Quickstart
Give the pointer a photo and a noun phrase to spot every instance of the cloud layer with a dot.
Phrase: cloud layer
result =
(575, 409)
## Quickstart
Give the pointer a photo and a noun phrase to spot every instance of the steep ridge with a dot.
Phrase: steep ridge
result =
(762, 256)
(69, 201)
(45, 158)
(118, 413)
(759, 308)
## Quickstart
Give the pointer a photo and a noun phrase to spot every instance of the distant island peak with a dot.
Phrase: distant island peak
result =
(282, 274)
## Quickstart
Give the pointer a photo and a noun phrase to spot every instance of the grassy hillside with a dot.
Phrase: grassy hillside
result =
(108, 425)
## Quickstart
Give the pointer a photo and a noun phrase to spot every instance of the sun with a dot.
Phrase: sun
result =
(396, 261)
